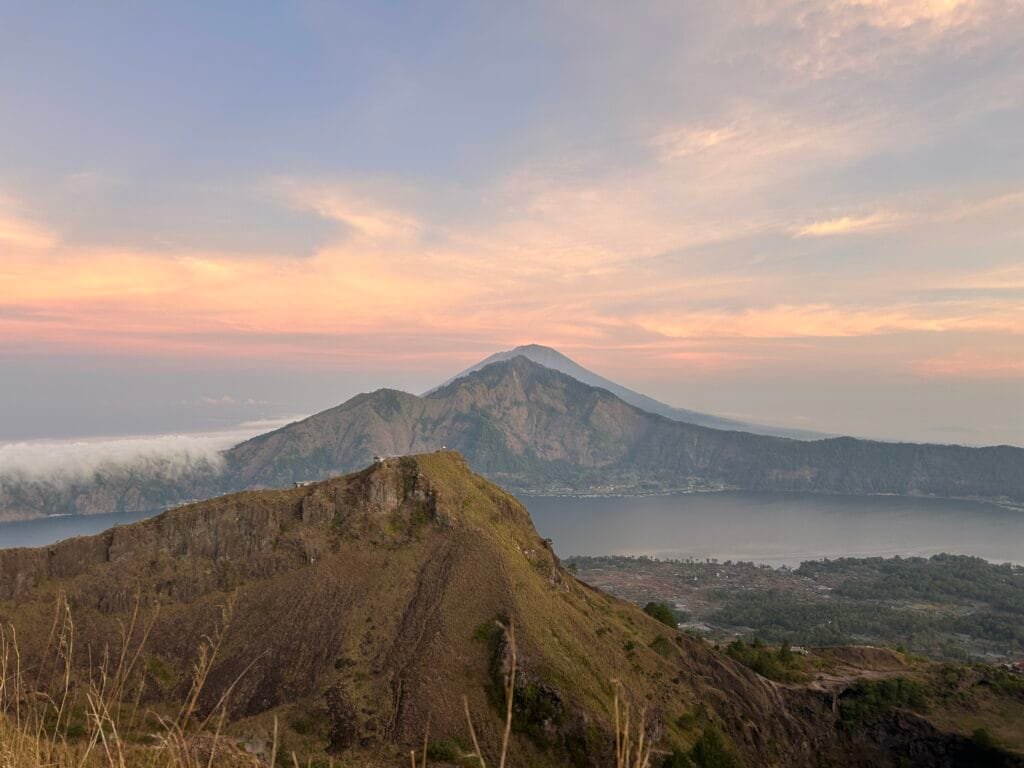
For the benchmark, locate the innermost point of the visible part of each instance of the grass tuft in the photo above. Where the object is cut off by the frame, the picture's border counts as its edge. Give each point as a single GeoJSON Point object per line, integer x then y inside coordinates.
{"type": "Point", "coordinates": [49, 717]}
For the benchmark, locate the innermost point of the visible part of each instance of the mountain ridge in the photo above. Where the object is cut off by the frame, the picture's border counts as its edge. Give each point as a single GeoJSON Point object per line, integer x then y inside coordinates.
{"type": "Point", "coordinates": [359, 599]}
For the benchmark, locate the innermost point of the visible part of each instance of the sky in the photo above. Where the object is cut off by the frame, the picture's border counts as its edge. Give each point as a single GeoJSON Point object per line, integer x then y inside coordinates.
{"type": "Point", "coordinates": [799, 213]}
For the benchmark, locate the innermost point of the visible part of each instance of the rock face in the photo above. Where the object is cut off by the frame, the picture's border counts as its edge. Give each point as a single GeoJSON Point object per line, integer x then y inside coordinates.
{"type": "Point", "coordinates": [535, 429]}
{"type": "Point", "coordinates": [366, 606]}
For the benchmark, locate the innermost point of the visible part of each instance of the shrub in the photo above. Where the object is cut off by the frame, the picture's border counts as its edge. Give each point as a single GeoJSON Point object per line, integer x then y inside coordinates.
{"type": "Point", "coordinates": [449, 750]}
{"type": "Point", "coordinates": [662, 612]}
{"type": "Point", "coordinates": [661, 645]}
{"type": "Point", "coordinates": [712, 750]}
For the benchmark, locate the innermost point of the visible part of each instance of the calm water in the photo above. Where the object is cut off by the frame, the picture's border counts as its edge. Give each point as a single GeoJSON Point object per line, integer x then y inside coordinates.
{"type": "Point", "coordinates": [778, 529]}
{"type": "Point", "coordinates": [39, 533]}
{"type": "Point", "coordinates": [766, 528]}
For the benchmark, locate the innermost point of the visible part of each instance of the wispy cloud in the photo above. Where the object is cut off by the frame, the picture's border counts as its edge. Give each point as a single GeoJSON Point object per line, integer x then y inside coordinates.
{"type": "Point", "coordinates": [900, 14]}
{"type": "Point", "coordinates": [846, 225]}
{"type": "Point", "coordinates": [825, 40]}
{"type": "Point", "coordinates": [567, 261]}
{"type": "Point", "coordinates": [825, 320]}
{"type": "Point", "coordinates": [365, 218]}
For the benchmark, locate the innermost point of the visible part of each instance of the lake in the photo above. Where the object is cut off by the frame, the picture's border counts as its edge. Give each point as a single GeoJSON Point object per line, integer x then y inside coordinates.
{"type": "Point", "coordinates": [47, 530]}
{"type": "Point", "coordinates": [778, 528]}
{"type": "Point", "coordinates": [773, 528]}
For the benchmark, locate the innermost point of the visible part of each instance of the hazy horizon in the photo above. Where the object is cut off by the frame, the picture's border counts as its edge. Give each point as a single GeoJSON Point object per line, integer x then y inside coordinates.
{"type": "Point", "coordinates": [147, 402]}
{"type": "Point", "coordinates": [208, 418]}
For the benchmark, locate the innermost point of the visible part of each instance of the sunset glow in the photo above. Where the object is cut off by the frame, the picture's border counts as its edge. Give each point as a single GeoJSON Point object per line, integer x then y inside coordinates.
{"type": "Point", "coordinates": [693, 192]}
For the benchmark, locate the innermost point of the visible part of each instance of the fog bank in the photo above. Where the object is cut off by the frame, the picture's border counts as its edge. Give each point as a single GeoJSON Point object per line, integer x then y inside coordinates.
{"type": "Point", "coordinates": [168, 456]}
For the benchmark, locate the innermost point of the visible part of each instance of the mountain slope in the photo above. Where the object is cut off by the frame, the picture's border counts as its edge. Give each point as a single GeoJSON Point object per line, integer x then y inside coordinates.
{"type": "Point", "coordinates": [534, 429]}
{"type": "Point", "coordinates": [555, 360]}
{"type": "Point", "coordinates": [365, 607]}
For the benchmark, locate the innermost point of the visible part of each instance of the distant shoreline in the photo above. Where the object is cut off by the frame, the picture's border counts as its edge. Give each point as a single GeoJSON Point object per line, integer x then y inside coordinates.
{"type": "Point", "coordinates": [1008, 505]}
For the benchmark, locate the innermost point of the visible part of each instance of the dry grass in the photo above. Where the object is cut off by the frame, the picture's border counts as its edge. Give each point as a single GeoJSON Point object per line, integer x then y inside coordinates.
{"type": "Point", "coordinates": [631, 751]}
{"type": "Point", "coordinates": [49, 718]}
{"type": "Point", "coordinates": [510, 689]}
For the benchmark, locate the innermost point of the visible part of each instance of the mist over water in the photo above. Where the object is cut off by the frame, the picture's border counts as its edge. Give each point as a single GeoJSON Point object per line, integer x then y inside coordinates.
{"type": "Point", "coordinates": [776, 528]}
{"type": "Point", "coordinates": [57, 462]}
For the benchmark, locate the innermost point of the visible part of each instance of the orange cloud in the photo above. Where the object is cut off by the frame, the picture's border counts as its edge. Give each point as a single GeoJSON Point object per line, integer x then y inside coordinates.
{"type": "Point", "coordinates": [901, 14]}
{"type": "Point", "coordinates": [580, 264]}
{"type": "Point", "coordinates": [825, 320]}
{"type": "Point", "coordinates": [973, 365]}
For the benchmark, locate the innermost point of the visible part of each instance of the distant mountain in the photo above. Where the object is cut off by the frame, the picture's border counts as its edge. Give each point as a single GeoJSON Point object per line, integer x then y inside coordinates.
{"type": "Point", "coordinates": [552, 358]}
{"type": "Point", "coordinates": [534, 429]}
{"type": "Point", "coordinates": [363, 610]}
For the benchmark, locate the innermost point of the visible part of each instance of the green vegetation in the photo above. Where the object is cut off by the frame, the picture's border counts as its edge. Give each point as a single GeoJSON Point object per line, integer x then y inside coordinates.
{"type": "Point", "coordinates": [779, 616]}
{"type": "Point", "coordinates": [946, 607]}
{"type": "Point", "coordinates": [713, 750]}
{"type": "Point", "coordinates": [869, 699]}
{"type": "Point", "coordinates": [941, 578]}
{"type": "Point", "coordinates": [448, 750]}
{"type": "Point", "coordinates": [662, 612]}
{"type": "Point", "coordinates": [987, 750]}
{"type": "Point", "coordinates": [779, 664]}
{"type": "Point", "coordinates": [389, 607]}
